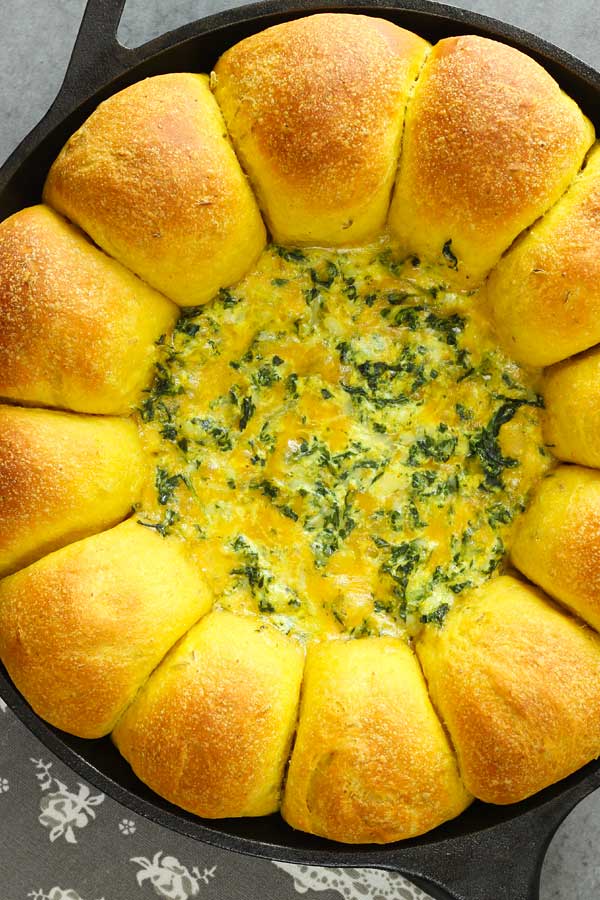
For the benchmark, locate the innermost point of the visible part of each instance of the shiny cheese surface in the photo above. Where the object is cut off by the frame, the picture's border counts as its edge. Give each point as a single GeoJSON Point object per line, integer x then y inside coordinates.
{"type": "Point", "coordinates": [341, 443]}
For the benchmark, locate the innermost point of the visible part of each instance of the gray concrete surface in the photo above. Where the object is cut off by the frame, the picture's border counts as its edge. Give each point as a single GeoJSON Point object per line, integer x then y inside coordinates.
{"type": "Point", "coordinates": [36, 37]}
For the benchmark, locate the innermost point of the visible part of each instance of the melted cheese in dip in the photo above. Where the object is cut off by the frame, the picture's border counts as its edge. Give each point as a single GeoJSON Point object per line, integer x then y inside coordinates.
{"type": "Point", "coordinates": [341, 442]}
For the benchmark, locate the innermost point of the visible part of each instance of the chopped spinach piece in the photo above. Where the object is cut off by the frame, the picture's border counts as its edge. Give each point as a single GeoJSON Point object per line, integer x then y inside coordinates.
{"type": "Point", "coordinates": [266, 376]}
{"type": "Point", "coordinates": [484, 444]}
{"type": "Point", "coordinates": [217, 431]}
{"type": "Point", "coordinates": [164, 527]}
{"type": "Point", "coordinates": [437, 616]}
{"type": "Point", "coordinates": [290, 254]}
{"type": "Point", "coordinates": [326, 276]}
{"type": "Point", "coordinates": [227, 299]}
{"type": "Point", "coordinates": [436, 447]}
{"type": "Point", "coordinates": [248, 410]}
{"type": "Point", "coordinates": [164, 383]}
{"type": "Point", "coordinates": [186, 326]}
{"type": "Point", "coordinates": [449, 255]}
{"type": "Point", "coordinates": [166, 484]}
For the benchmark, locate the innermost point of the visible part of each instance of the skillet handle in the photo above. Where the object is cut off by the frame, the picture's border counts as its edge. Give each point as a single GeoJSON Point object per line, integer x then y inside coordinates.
{"type": "Point", "coordinates": [97, 59]}
{"type": "Point", "coordinates": [97, 55]}
{"type": "Point", "coordinates": [502, 862]}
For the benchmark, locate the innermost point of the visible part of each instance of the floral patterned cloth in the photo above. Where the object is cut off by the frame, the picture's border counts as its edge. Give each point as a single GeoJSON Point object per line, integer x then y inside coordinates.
{"type": "Point", "coordinates": [61, 839]}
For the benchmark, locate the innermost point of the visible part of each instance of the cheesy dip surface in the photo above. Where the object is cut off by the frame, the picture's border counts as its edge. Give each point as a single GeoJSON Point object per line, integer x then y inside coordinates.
{"type": "Point", "coordinates": [340, 442]}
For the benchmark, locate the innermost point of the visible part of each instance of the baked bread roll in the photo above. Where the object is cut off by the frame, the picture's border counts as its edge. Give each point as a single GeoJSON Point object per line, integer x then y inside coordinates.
{"type": "Point", "coordinates": [490, 143]}
{"type": "Point", "coordinates": [517, 685]}
{"type": "Point", "coordinates": [557, 541]}
{"type": "Point", "coordinates": [545, 293]}
{"type": "Point", "coordinates": [62, 478]}
{"type": "Point", "coordinates": [82, 629]}
{"type": "Point", "coordinates": [371, 762]}
{"type": "Point", "coordinates": [152, 178]}
{"type": "Point", "coordinates": [211, 729]}
{"type": "Point", "coordinates": [315, 108]}
{"type": "Point", "coordinates": [572, 399]}
{"type": "Point", "coordinates": [78, 330]}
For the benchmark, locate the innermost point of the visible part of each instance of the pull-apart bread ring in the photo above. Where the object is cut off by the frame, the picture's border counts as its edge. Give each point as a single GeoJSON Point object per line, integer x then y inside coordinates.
{"type": "Point", "coordinates": [371, 762]}
{"type": "Point", "coordinates": [490, 143]}
{"type": "Point", "coordinates": [545, 293]}
{"type": "Point", "coordinates": [274, 571]}
{"type": "Point", "coordinates": [517, 684]}
{"type": "Point", "coordinates": [557, 544]}
{"type": "Point", "coordinates": [82, 629]}
{"type": "Point", "coordinates": [62, 478]}
{"type": "Point", "coordinates": [212, 728]}
{"type": "Point", "coordinates": [78, 329]}
{"type": "Point", "coordinates": [152, 178]}
{"type": "Point", "coordinates": [315, 109]}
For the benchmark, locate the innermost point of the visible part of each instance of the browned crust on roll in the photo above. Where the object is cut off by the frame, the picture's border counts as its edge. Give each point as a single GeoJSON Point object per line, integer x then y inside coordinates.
{"type": "Point", "coordinates": [77, 329]}
{"type": "Point", "coordinates": [153, 179]}
{"type": "Point", "coordinates": [517, 684]}
{"type": "Point", "coordinates": [212, 728]}
{"type": "Point", "coordinates": [545, 293]}
{"type": "Point", "coordinates": [490, 143]}
{"type": "Point", "coordinates": [557, 542]}
{"type": "Point", "coordinates": [572, 403]}
{"type": "Point", "coordinates": [315, 108]}
{"type": "Point", "coordinates": [62, 478]}
{"type": "Point", "coordinates": [371, 762]}
{"type": "Point", "coordinates": [83, 628]}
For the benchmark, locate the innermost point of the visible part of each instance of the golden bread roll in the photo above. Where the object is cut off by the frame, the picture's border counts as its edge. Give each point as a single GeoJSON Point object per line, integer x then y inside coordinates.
{"type": "Point", "coordinates": [62, 478]}
{"type": "Point", "coordinates": [315, 108]}
{"type": "Point", "coordinates": [371, 762]}
{"type": "Point", "coordinates": [557, 541]}
{"type": "Point", "coordinates": [152, 177]}
{"type": "Point", "coordinates": [572, 399]}
{"type": "Point", "coordinates": [517, 684]}
{"type": "Point", "coordinates": [490, 143]}
{"type": "Point", "coordinates": [545, 293]}
{"type": "Point", "coordinates": [211, 729]}
{"type": "Point", "coordinates": [78, 330]}
{"type": "Point", "coordinates": [82, 629]}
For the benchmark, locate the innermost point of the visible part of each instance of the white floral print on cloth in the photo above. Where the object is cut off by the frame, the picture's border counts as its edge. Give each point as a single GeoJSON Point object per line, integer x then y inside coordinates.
{"type": "Point", "coordinates": [62, 810]}
{"type": "Point", "coordinates": [56, 893]}
{"type": "Point", "coordinates": [3, 706]}
{"type": "Point", "coordinates": [170, 878]}
{"type": "Point", "coordinates": [127, 826]}
{"type": "Point", "coordinates": [353, 884]}
{"type": "Point", "coordinates": [4, 785]}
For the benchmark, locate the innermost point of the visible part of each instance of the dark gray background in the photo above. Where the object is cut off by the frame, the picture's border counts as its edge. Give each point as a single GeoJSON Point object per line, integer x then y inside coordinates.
{"type": "Point", "coordinates": [36, 37]}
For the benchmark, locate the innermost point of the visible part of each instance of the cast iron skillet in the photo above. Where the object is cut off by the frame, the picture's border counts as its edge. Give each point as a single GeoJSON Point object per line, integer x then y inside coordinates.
{"type": "Point", "coordinates": [488, 853]}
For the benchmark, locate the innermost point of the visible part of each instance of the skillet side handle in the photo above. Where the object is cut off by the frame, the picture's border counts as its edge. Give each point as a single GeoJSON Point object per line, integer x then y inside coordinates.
{"type": "Point", "coordinates": [97, 59]}
{"type": "Point", "coordinates": [503, 862]}
{"type": "Point", "coordinates": [97, 55]}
